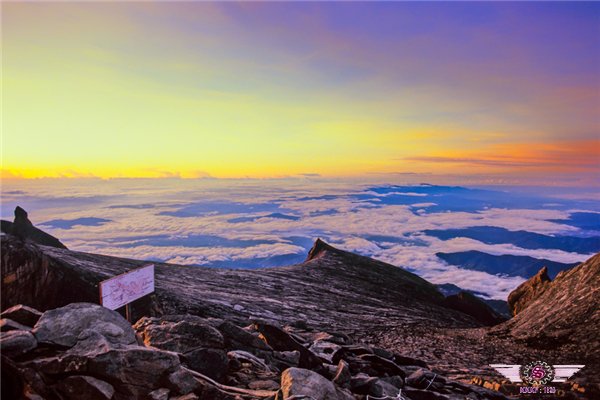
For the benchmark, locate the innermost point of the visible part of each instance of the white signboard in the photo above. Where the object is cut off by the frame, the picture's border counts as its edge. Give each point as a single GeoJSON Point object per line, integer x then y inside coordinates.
{"type": "Point", "coordinates": [125, 288]}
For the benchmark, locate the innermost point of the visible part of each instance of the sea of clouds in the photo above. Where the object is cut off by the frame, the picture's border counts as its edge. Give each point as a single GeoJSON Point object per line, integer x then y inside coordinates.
{"type": "Point", "coordinates": [256, 223]}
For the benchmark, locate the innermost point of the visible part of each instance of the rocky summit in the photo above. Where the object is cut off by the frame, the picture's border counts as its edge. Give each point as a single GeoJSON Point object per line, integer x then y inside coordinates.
{"type": "Point", "coordinates": [338, 326]}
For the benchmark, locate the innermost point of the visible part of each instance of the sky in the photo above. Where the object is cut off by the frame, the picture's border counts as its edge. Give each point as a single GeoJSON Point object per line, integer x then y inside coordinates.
{"type": "Point", "coordinates": [492, 92]}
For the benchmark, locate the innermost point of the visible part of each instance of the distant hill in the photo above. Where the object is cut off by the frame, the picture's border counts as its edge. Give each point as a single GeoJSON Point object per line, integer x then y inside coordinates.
{"type": "Point", "coordinates": [523, 239]}
{"type": "Point", "coordinates": [500, 306]}
{"type": "Point", "coordinates": [523, 266]}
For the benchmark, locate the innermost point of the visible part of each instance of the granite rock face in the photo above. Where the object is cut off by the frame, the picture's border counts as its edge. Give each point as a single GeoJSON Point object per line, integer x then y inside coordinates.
{"type": "Point", "coordinates": [528, 291]}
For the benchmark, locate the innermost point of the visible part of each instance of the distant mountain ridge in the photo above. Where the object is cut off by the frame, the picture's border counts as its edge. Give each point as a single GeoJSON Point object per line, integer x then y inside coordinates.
{"type": "Point", "coordinates": [511, 265]}
{"type": "Point", "coordinates": [523, 239]}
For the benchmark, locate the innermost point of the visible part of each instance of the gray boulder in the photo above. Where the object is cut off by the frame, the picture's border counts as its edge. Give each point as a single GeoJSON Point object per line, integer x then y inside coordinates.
{"type": "Point", "coordinates": [85, 387]}
{"type": "Point", "coordinates": [298, 381]}
{"type": "Point", "coordinates": [62, 326]}
{"type": "Point", "coordinates": [181, 335]}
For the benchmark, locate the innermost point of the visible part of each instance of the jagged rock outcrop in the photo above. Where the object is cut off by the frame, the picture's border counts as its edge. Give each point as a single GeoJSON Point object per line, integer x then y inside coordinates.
{"type": "Point", "coordinates": [527, 292]}
{"type": "Point", "coordinates": [471, 305]}
{"type": "Point", "coordinates": [23, 229]}
{"type": "Point", "coordinates": [567, 311]}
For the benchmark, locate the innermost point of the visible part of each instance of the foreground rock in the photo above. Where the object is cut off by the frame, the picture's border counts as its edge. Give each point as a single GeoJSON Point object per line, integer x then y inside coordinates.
{"type": "Point", "coordinates": [83, 350]}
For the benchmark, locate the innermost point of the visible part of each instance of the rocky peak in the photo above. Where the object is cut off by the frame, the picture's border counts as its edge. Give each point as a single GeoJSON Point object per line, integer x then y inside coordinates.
{"type": "Point", "coordinates": [471, 305]}
{"type": "Point", "coordinates": [23, 228]}
{"type": "Point", "coordinates": [318, 249]}
{"type": "Point", "coordinates": [528, 291]}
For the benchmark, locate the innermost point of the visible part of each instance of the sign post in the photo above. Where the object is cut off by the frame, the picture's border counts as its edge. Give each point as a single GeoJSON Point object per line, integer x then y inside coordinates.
{"type": "Point", "coordinates": [121, 290]}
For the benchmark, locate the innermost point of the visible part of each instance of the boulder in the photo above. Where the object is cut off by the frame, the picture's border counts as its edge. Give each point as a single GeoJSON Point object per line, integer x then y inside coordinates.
{"type": "Point", "coordinates": [133, 371]}
{"type": "Point", "coordinates": [63, 325]}
{"type": "Point", "coordinates": [324, 349]}
{"type": "Point", "coordinates": [405, 360]}
{"type": "Point", "coordinates": [179, 335]}
{"type": "Point", "coordinates": [244, 357]}
{"type": "Point", "coordinates": [22, 314]}
{"type": "Point", "coordinates": [527, 292]}
{"type": "Point", "coordinates": [342, 375]}
{"type": "Point", "coordinates": [77, 387]}
{"type": "Point", "coordinates": [279, 339]}
{"type": "Point", "coordinates": [15, 343]}
{"type": "Point", "coordinates": [425, 379]}
{"type": "Point", "coordinates": [210, 362]}
{"type": "Point", "coordinates": [237, 338]}
{"type": "Point", "coordinates": [182, 381]}
{"type": "Point", "coordinates": [159, 394]}
{"type": "Point", "coordinates": [298, 381]}
{"type": "Point", "coordinates": [383, 366]}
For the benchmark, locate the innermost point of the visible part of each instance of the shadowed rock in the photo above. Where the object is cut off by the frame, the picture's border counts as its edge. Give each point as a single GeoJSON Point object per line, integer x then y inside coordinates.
{"type": "Point", "coordinates": [469, 304]}
{"type": "Point", "coordinates": [24, 230]}
{"type": "Point", "coordinates": [527, 292]}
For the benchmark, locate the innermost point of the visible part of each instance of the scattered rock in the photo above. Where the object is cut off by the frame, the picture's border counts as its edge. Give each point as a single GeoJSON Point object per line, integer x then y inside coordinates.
{"type": "Point", "coordinates": [63, 325]}
{"type": "Point", "coordinates": [210, 362]}
{"type": "Point", "coordinates": [159, 394]}
{"type": "Point", "coordinates": [77, 387]}
{"type": "Point", "coordinates": [278, 339]}
{"type": "Point", "coordinates": [182, 381]}
{"type": "Point", "coordinates": [184, 335]}
{"type": "Point", "coordinates": [298, 381]}
{"type": "Point", "coordinates": [342, 375]}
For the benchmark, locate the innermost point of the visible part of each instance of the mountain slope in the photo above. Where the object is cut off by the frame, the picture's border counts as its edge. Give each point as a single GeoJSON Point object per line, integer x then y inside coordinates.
{"type": "Point", "coordinates": [332, 288]}
{"type": "Point", "coordinates": [566, 312]}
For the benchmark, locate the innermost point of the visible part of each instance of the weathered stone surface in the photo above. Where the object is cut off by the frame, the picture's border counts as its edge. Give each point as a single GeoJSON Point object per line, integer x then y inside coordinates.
{"type": "Point", "coordinates": [78, 387]}
{"type": "Point", "coordinates": [527, 292]}
{"type": "Point", "coordinates": [382, 365]}
{"type": "Point", "coordinates": [14, 343]}
{"type": "Point", "coordinates": [159, 394]}
{"type": "Point", "coordinates": [298, 381]}
{"type": "Point", "coordinates": [182, 382]}
{"type": "Point", "coordinates": [237, 338]}
{"type": "Point", "coordinates": [210, 362]}
{"type": "Point", "coordinates": [63, 325]}
{"type": "Point", "coordinates": [22, 314]}
{"type": "Point", "coordinates": [423, 379]}
{"type": "Point", "coordinates": [418, 394]}
{"type": "Point", "coordinates": [181, 336]}
{"type": "Point", "coordinates": [324, 349]}
{"type": "Point", "coordinates": [134, 371]}
{"type": "Point", "coordinates": [342, 375]}
{"type": "Point", "coordinates": [278, 339]}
